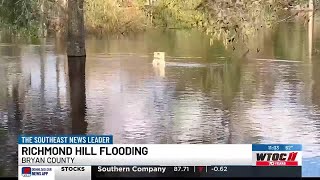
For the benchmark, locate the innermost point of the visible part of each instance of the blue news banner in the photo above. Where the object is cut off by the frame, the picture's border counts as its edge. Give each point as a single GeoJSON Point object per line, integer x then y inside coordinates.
{"type": "Point", "coordinates": [268, 160]}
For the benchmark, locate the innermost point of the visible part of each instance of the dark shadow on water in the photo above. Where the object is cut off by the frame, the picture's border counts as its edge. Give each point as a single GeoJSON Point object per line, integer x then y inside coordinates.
{"type": "Point", "coordinates": [76, 70]}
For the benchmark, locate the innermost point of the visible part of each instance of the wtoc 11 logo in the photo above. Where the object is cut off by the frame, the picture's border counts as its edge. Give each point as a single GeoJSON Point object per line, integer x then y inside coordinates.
{"type": "Point", "coordinates": [28, 171]}
{"type": "Point", "coordinates": [277, 159]}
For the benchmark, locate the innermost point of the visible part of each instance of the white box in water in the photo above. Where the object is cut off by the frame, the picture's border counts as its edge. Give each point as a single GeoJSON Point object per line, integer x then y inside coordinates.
{"type": "Point", "coordinates": [159, 55]}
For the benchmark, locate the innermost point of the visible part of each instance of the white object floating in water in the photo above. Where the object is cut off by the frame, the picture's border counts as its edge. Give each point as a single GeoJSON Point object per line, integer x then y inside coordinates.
{"type": "Point", "coordinates": [158, 59]}
{"type": "Point", "coordinates": [159, 55]}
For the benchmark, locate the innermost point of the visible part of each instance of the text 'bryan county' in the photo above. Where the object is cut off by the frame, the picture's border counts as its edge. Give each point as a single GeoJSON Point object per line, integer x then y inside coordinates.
{"type": "Point", "coordinates": [59, 151]}
{"type": "Point", "coordinates": [50, 160]}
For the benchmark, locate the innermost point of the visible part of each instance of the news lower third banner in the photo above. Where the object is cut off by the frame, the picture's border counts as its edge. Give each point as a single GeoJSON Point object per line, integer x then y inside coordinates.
{"type": "Point", "coordinates": [96, 157]}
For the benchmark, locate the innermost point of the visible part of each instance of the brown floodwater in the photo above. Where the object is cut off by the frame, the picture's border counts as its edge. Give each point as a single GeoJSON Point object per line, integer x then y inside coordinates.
{"type": "Point", "coordinates": [205, 94]}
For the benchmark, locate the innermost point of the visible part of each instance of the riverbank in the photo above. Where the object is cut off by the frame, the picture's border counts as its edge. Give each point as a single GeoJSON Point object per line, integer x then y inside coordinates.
{"type": "Point", "coordinates": [230, 22]}
{"type": "Point", "coordinates": [232, 101]}
{"type": "Point", "coordinates": [105, 16]}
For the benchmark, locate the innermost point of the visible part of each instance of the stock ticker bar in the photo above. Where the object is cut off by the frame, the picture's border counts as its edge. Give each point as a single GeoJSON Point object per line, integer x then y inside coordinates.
{"type": "Point", "coordinates": [101, 172]}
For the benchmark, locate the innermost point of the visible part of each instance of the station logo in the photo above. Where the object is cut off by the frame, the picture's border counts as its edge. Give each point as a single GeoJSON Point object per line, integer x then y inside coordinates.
{"type": "Point", "coordinates": [276, 159]}
{"type": "Point", "coordinates": [26, 171]}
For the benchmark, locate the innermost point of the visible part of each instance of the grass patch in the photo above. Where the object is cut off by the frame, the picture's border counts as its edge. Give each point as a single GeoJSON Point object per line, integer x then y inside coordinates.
{"type": "Point", "coordinates": [107, 16]}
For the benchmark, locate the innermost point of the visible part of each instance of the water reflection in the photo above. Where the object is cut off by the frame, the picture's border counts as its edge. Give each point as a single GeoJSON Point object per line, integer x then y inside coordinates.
{"type": "Point", "coordinates": [76, 70]}
{"type": "Point", "coordinates": [218, 98]}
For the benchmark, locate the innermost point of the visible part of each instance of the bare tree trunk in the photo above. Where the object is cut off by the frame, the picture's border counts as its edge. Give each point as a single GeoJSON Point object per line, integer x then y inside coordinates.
{"type": "Point", "coordinates": [311, 5]}
{"type": "Point", "coordinates": [76, 32]}
{"type": "Point", "coordinates": [310, 33]}
{"type": "Point", "coordinates": [42, 19]}
{"type": "Point", "coordinates": [62, 15]}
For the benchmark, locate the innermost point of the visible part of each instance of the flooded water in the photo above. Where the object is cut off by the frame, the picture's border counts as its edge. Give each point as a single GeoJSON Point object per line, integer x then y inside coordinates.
{"type": "Point", "coordinates": [205, 94]}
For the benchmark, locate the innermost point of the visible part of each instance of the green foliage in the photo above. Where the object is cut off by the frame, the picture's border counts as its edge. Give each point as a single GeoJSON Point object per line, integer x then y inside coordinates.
{"type": "Point", "coordinates": [237, 20]}
{"type": "Point", "coordinates": [16, 12]}
{"type": "Point", "coordinates": [23, 16]}
{"type": "Point", "coordinates": [176, 13]}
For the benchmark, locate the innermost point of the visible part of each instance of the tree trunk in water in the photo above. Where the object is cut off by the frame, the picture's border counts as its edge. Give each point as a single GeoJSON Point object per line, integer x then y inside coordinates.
{"type": "Point", "coordinates": [76, 32]}
{"type": "Point", "coordinates": [77, 80]}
